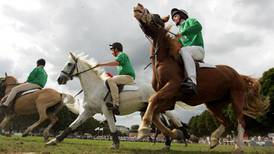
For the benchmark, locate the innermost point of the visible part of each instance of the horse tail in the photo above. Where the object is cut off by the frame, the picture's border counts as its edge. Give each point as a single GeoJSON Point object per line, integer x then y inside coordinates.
{"type": "Point", "coordinates": [255, 105]}
{"type": "Point", "coordinates": [69, 102]}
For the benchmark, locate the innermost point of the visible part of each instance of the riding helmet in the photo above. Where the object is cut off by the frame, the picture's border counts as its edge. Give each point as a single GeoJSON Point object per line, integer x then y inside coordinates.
{"type": "Point", "coordinates": [183, 14]}
{"type": "Point", "coordinates": [116, 45]}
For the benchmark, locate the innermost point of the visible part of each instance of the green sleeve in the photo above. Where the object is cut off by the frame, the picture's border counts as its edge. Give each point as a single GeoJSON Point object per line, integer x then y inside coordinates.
{"type": "Point", "coordinates": [192, 26]}
{"type": "Point", "coordinates": [121, 59]}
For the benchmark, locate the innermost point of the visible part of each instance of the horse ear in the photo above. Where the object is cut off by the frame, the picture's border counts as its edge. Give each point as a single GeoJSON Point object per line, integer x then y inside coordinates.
{"type": "Point", "coordinates": [72, 55]}
{"type": "Point", "coordinates": [6, 74]}
{"type": "Point", "coordinates": [165, 19]}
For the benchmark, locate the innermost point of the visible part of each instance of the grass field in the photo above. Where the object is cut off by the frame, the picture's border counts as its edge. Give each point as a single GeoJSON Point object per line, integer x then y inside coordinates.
{"type": "Point", "coordinates": [18, 144]}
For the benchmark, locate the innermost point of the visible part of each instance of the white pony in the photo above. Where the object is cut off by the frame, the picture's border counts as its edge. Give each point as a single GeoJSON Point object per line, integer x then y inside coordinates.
{"type": "Point", "coordinates": [93, 85]}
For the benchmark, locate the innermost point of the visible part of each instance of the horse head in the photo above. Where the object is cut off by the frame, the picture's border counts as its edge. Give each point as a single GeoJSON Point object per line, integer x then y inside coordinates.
{"type": "Point", "coordinates": [7, 82]}
{"type": "Point", "coordinates": [75, 66]}
{"type": "Point", "coordinates": [151, 24]}
{"type": "Point", "coordinates": [68, 70]}
{"type": "Point", "coordinates": [154, 27]}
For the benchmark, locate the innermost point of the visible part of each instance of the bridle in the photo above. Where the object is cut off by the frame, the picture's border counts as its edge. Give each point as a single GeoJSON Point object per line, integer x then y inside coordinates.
{"type": "Point", "coordinates": [70, 73]}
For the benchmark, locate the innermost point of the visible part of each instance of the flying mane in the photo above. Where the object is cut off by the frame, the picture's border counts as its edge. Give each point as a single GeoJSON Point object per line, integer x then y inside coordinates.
{"type": "Point", "coordinates": [91, 62]}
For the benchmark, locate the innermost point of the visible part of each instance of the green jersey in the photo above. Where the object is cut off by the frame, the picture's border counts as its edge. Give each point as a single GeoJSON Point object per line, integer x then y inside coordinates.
{"type": "Point", "coordinates": [125, 67]}
{"type": "Point", "coordinates": [191, 30]}
{"type": "Point", "coordinates": [38, 76]}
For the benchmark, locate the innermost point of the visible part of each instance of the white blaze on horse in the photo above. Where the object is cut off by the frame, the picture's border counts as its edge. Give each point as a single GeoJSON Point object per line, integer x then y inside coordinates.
{"type": "Point", "coordinates": [38, 102]}
{"type": "Point", "coordinates": [93, 84]}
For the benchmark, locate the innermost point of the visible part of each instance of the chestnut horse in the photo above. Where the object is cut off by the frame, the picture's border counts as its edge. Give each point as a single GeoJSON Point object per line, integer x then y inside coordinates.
{"type": "Point", "coordinates": [217, 87]}
{"type": "Point", "coordinates": [37, 102]}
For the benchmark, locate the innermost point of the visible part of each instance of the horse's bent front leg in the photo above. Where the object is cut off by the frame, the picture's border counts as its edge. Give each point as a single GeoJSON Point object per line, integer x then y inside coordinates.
{"type": "Point", "coordinates": [75, 124]}
{"type": "Point", "coordinates": [164, 94]}
{"type": "Point", "coordinates": [113, 130]}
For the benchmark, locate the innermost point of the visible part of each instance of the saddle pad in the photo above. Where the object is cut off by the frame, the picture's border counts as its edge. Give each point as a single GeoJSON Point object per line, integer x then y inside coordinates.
{"type": "Point", "coordinates": [29, 91]}
{"type": "Point", "coordinates": [130, 88]}
{"type": "Point", "coordinates": [206, 65]}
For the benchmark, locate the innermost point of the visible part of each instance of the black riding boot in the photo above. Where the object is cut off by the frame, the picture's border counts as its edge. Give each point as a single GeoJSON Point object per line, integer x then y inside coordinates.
{"type": "Point", "coordinates": [189, 88]}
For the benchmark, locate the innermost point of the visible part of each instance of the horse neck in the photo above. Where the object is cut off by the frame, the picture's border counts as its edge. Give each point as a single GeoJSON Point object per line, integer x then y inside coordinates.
{"type": "Point", "coordinates": [162, 50]}
{"type": "Point", "coordinates": [10, 84]}
{"type": "Point", "coordinates": [89, 80]}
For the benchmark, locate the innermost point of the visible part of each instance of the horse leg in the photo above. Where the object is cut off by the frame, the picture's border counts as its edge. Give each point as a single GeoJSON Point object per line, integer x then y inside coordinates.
{"type": "Point", "coordinates": [177, 124]}
{"type": "Point", "coordinates": [4, 123]}
{"type": "Point", "coordinates": [75, 124]}
{"type": "Point", "coordinates": [53, 119]}
{"type": "Point", "coordinates": [42, 111]}
{"type": "Point", "coordinates": [216, 108]}
{"type": "Point", "coordinates": [164, 93]}
{"type": "Point", "coordinates": [174, 134]}
{"type": "Point", "coordinates": [237, 104]}
{"type": "Point", "coordinates": [113, 130]}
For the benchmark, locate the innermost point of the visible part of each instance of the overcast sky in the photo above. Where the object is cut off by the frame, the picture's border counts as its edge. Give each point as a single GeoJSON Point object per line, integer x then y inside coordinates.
{"type": "Point", "coordinates": [238, 33]}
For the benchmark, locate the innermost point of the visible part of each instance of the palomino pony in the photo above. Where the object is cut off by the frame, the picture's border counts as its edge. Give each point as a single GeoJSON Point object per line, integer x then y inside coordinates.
{"type": "Point", "coordinates": [95, 90]}
{"type": "Point", "coordinates": [217, 87]}
{"type": "Point", "coordinates": [37, 102]}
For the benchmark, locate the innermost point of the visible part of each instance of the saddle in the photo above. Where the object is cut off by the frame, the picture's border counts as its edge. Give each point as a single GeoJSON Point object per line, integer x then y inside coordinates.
{"type": "Point", "coordinates": [121, 88]}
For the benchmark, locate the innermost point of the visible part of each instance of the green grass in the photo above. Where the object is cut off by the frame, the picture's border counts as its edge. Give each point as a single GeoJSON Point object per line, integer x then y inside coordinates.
{"type": "Point", "coordinates": [18, 144]}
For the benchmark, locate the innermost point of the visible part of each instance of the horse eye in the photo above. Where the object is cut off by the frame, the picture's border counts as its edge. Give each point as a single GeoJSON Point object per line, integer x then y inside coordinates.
{"type": "Point", "coordinates": [69, 64]}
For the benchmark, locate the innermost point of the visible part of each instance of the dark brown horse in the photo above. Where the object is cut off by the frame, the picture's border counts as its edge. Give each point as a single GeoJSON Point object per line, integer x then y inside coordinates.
{"type": "Point", "coordinates": [217, 87]}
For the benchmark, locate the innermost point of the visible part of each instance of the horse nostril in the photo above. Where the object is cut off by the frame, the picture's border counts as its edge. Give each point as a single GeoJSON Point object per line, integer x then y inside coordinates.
{"type": "Point", "coordinates": [59, 80]}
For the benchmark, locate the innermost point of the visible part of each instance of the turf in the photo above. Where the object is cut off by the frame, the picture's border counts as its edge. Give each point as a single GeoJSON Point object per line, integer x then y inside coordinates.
{"type": "Point", "coordinates": [17, 144]}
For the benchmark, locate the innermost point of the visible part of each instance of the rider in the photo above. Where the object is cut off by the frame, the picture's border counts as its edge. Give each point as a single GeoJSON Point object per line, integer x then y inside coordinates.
{"type": "Point", "coordinates": [36, 79]}
{"type": "Point", "coordinates": [126, 73]}
{"type": "Point", "coordinates": [191, 40]}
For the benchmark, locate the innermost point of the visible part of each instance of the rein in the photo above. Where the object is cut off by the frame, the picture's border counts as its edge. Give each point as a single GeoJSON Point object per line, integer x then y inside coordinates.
{"type": "Point", "coordinates": [78, 73]}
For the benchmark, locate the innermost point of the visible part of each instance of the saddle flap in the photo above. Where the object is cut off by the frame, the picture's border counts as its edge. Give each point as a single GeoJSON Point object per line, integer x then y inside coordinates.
{"type": "Point", "coordinates": [130, 88]}
{"type": "Point", "coordinates": [206, 65]}
{"type": "Point", "coordinates": [29, 91]}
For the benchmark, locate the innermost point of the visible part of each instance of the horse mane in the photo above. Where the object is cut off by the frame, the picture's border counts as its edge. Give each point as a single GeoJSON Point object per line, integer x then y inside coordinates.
{"type": "Point", "coordinates": [91, 62]}
{"type": "Point", "coordinates": [171, 43]}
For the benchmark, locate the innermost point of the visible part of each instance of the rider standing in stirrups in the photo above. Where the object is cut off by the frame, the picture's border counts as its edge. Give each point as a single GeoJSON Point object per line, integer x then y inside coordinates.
{"type": "Point", "coordinates": [191, 39]}
{"type": "Point", "coordinates": [126, 73]}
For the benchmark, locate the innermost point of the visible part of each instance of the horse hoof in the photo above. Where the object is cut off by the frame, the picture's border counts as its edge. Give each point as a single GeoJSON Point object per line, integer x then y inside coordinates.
{"type": "Point", "coordinates": [179, 134]}
{"type": "Point", "coordinates": [213, 143]}
{"type": "Point", "coordinates": [143, 132]}
{"type": "Point", "coordinates": [52, 142]}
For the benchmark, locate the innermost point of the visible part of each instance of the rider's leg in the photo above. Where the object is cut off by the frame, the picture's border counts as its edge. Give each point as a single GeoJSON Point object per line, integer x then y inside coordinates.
{"type": "Point", "coordinates": [17, 89]}
{"type": "Point", "coordinates": [189, 54]}
{"type": "Point", "coordinates": [113, 82]}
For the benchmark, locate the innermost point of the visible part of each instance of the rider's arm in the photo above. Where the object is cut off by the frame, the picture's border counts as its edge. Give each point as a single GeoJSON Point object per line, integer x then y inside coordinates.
{"type": "Point", "coordinates": [192, 26]}
{"type": "Point", "coordinates": [32, 75]}
{"type": "Point", "coordinates": [112, 63]}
